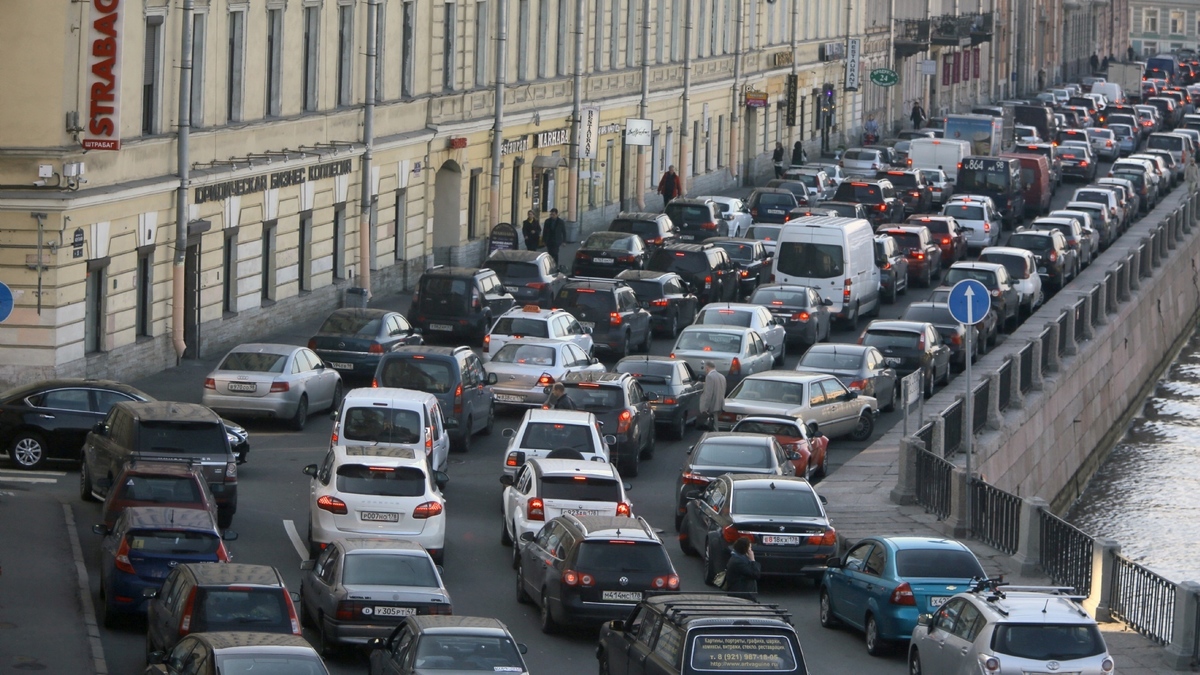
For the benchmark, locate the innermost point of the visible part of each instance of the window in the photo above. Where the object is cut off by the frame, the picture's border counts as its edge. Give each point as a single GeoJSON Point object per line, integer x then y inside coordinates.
{"type": "Point", "coordinates": [543, 31]}
{"type": "Point", "coordinates": [561, 42]}
{"type": "Point", "coordinates": [523, 47]}
{"type": "Point", "coordinates": [631, 31]}
{"type": "Point", "coordinates": [659, 40]}
{"type": "Point", "coordinates": [401, 216]}
{"type": "Point", "coordinates": [312, 55]}
{"type": "Point", "coordinates": [702, 18]}
{"type": "Point", "coordinates": [95, 308]}
{"type": "Point", "coordinates": [306, 227]}
{"type": "Point", "coordinates": [151, 65]}
{"type": "Point", "coordinates": [199, 33]}
{"type": "Point", "coordinates": [614, 37]}
{"type": "Point", "coordinates": [229, 273]}
{"type": "Point", "coordinates": [268, 267]}
{"type": "Point", "coordinates": [380, 43]}
{"type": "Point", "coordinates": [274, 60]}
{"type": "Point", "coordinates": [716, 35]}
{"type": "Point", "coordinates": [481, 44]}
{"type": "Point", "coordinates": [677, 29]}
{"type": "Point", "coordinates": [753, 21]}
{"type": "Point", "coordinates": [1149, 48]}
{"type": "Point", "coordinates": [345, 58]}
{"type": "Point", "coordinates": [598, 56]}
{"type": "Point", "coordinates": [145, 293]}
{"type": "Point", "coordinates": [237, 46]}
{"type": "Point", "coordinates": [1149, 20]}
{"type": "Point", "coordinates": [1177, 22]}
{"type": "Point", "coordinates": [449, 46]}
{"type": "Point", "coordinates": [720, 141]}
{"type": "Point", "coordinates": [339, 241]}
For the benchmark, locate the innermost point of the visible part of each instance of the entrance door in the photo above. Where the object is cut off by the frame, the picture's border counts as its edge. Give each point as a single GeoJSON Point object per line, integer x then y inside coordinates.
{"type": "Point", "coordinates": [447, 207]}
{"type": "Point", "coordinates": [191, 301]}
{"type": "Point", "coordinates": [517, 216]}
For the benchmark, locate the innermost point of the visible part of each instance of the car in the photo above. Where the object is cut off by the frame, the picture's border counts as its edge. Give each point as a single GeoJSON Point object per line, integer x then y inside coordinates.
{"type": "Point", "coordinates": [140, 550]}
{"type": "Point", "coordinates": [1026, 134]}
{"type": "Point", "coordinates": [939, 184]}
{"type": "Point", "coordinates": [832, 169]}
{"type": "Point", "coordinates": [978, 216]}
{"type": "Point", "coordinates": [1077, 161]}
{"type": "Point", "coordinates": [1110, 226]}
{"type": "Point", "coordinates": [1009, 630]}
{"type": "Point", "coordinates": [720, 452]}
{"type": "Point", "coordinates": [860, 368]}
{"type": "Point", "coordinates": [606, 254]}
{"type": "Point", "coordinates": [947, 234]}
{"type": "Point", "coordinates": [1130, 196]}
{"type": "Point", "coordinates": [924, 256]}
{"type": "Point", "coordinates": [863, 159]}
{"type": "Point", "coordinates": [773, 204]}
{"type": "Point", "coordinates": [954, 334]}
{"type": "Point", "coordinates": [1072, 224]}
{"type": "Point", "coordinates": [767, 234]}
{"type": "Point", "coordinates": [1104, 143]}
{"type": "Point", "coordinates": [277, 381]}
{"type": "Point", "coordinates": [782, 515]}
{"type": "Point", "coordinates": [587, 570]}
{"type": "Point", "coordinates": [572, 434]}
{"type": "Point", "coordinates": [1049, 151]}
{"type": "Point", "coordinates": [696, 219]}
{"type": "Point", "coordinates": [531, 321]}
{"type": "Point", "coordinates": [608, 311]}
{"type": "Point", "coordinates": [995, 277]}
{"type": "Point", "coordinates": [199, 654]}
{"type": "Point", "coordinates": [736, 352]}
{"type": "Point", "coordinates": [822, 401]}
{"type": "Point", "coordinates": [352, 340]}
{"type": "Point", "coordinates": [752, 259]}
{"type": "Point", "coordinates": [1125, 137]}
{"type": "Point", "coordinates": [676, 387]}
{"type": "Point", "coordinates": [808, 452]}
{"type": "Point", "coordinates": [1022, 267]}
{"type": "Point", "coordinates": [797, 187]}
{"type": "Point", "coordinates": [1151, 164]}
{"type": "Point", "coordinates": [48, 421]}
{"type": "Point", "coordinates": [544, 489]}
{"type": "Point", "coordinates": [749, 315]}
{"type": "Point", "coordinates": [149, 483]}
{"type": "Point", "coordinates": [1139, 176]}
{"type": "Point", "coordinates": [913, 190]}
{"type": "Point", "coordinates": [531, 277]}
{"type": "Point", "coordinates": [878, 196]}
{"type": "Point", "coordinates": [846, 210]}
{"type": "Point", "coordinates": [893, 268]}
{"type": "Point", "coordinates": [456, 376]}
{"type": "Point", "coordinates": [622, 408]}
{"type": "Point", "coordinates": [665, 296]}
{"type": "Point", "coordinates": [909, 347]}
{"type": "Point", "coordinates": [733, 210]}
{"type": "Point", "coordinates": [377, 491]}
{"type": "Point", "coordinates": [820, 185]}
{"type": "Point", "coordinates": [525, 367]}
{"type": "Point", "coordinates": [360, 588]}
{"type": "Point", "coordinates": [655, 229]}
{"type": "Point", "coordinates": [1174, 167]}
{"type": "Point", "coordinates": [461, 644]}
{"type": "Point", "coordinates": [458, 302]}
{"type": "Point", "coordinates": [805, 315]}
{"type": "Point", "coordinates": [1057, 262]}
{"type": "Point", "coordinates": [148, 430]}
{"type": "Point", "coordinates": [387, 417]}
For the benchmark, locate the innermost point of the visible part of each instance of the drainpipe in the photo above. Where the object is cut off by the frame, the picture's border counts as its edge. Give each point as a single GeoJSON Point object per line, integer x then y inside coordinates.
{"type": "Point", "coordinates": [178, 284]}
{"type": "Point", "coordinates": [797, 128]}
{"type": "Point", "coordinates": [643, 104]}
{"type": "Point", "coordinates": [576, 105]}
{"type": "Point", "coordinates": [735, 137]}
{"type": "Point", "coordinates": [364, 215]}
{"type": "Point", "coordinates": [685, 131]}
{"type": "Point", "coordinates": [498, 123]}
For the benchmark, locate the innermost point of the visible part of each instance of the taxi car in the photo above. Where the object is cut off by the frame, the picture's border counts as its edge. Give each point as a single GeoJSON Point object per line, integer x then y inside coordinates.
{"type": "Point", "coordinates": [535, 322]}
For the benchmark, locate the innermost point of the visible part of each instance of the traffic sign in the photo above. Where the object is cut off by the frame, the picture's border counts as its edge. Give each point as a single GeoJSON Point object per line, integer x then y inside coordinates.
{"type": "Point", "coordinates": [6, 301]}
{"type": "Point", "coordinates": [969, 302]}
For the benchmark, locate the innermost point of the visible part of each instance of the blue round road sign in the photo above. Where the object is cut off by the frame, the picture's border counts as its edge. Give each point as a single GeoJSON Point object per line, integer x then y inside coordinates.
{"type": "Point", "coordinates": [969, 302]}
{"type": "Point", "coordinates": [6, 302]}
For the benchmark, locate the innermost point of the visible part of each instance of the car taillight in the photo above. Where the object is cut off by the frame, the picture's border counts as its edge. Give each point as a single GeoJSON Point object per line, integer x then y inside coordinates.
{"type": "Point", "coordinates": [573, 578]}
{"type": "Point", "coordinates": [332, 504]}
{"type": "Point", "coordinates": [333, 438]}
{"type": "Point", "coordinates": [1108, 144]}
{"type": "Point", "coordinates": [690, 478]}
{"type": "Point", "coordinates": [210, 383]}
{"type": "Point", "coordinates": [882, 207]}
{"type": "Point", "coordinates": [624, 509]}
{"type": "Point", "coordinates": [731, 534]}
{"type": "Point", "coordinates": [945, 241]}
{"type": "Point", "coordinates": [535, 509]}
{"type": "Point", "coordinates": [708, 281]}
{"type": "Point", "coordinates": [487, 342]}
{"type": "Point", "coordinates": [122, 559]}
{"type": "Point", "coordinates": [995, 293]}
{"type": "Point", "coordinates": [536, 285]}
{"type": "Point", "coordinates": [846, 290]}
{"type": "Point", "coordinates": [624, 421]}
{"type": "Point", "coordinates": [745, 274]}
{"type": "Point", "coordinates": [859, 385]}
{"type": "Point", "coordinates": [292, 615]}
{"type": "Point", "coordinates": [827, 539]}
{"type": "Point", "coordinates": [427, 510]}
{"type": "Point", "coordinates": [1083, 162]}
{"type": "Point", "coordinates": [655, 240]}
{"type": "Point", "coordinates": [223, 553]}
{"type": "Point", "coordinates": [278, 387]}
{"type": "Point", "coordinates": [670, 401]}
{"type": "Point", "coordinates": [1053, 256]}
{"type": "Point", "coordinates": [545, 380]}
{"type": "Point", "coordinates": [708, 226]}
{"type": "Point", "coordinates": [956, 340]}
{"type": "Point", "coordinates": [348, 610]}
{"type": "Point", "coordinates": [903, 595]}
{"type": "Point", "coordinates": [991, 664]}
{"type": "Point", "coordinates": [987, 227]}
{"type": "Point", "coordinates": [754, 213]}
{"type": "Point", "coordinates": [515, 458]}
{"type": "Point", "coordinates": [662, 302]}
{"type": "Point", "coordinates": [800, 316]}
{"type": "Point", "coordinates": [887, 266]}
{"type": "Point", "coordinates": [580, 255]}
{"type": "Point", "coordinates": [458, 401]}
{"type": "Point", "coordinates": [627, 259]}
{"type": "Point", "coordinates": [185, 620]}
{"type": "Point", "coordinates": [428, 441]}
{"type": "Point", "coordinates": [667, 581]}
{"type": "Point", "coordinates": [920, 343]}
{"type": "Point", "coordinates": [614, 319]}
{"type": "Point", "coordinates": [375, 382]}
{"type": "Point", "coordinates": [735, 367]}
{"type": "Point", "coordinates": [918, 255]}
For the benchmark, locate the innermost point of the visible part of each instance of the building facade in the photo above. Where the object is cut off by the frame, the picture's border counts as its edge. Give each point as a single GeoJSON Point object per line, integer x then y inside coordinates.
{"type": "Point", "coordinates": [1168, 27]}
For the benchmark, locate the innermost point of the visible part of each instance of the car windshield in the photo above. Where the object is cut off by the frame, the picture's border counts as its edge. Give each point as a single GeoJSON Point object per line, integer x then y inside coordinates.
{"type": "Point", "coordinates": [957, 274]}
{"type": "Point", "coordinates": [531, 355]}
{"type": "Point", "coordinates": [468, 652]}
{"type": "Point", "coordinates": [809, 260]}
{"type": "Point", "coordinates": [581, 488]}
{"type": "Point", "coordinates": [779, 297]}
{"type": "Point", "coordinates": [646, 290]}
{"type": "Point", "coordinates": [883, 339]}
{"type": "Point", "coordinates": [725, 317]}
{"type": "Point", "coordinates": [738, 251]}
{"type": "Point", "coordinates": [433, 376]}
{"type": "Point", "coordinates": [710, 341]}
{"type": "Point", "coordinates": [771, 502]}
{"type": "Point", "coordinates": [508, 269]}
{"type": "Point", "coordinates": [861, 155]}
{"type": "Point", "coordinates": [241, 609]}
{"type": "Point", "coordinates": [763, 232]}
{"type": "Point", "coordinates": [829, 361]}
{"type": "Point", "coordinates": [254, 362]}
{"type": "Point", "coordinates": [381, 481]}
{"type": "Point", "coordinates": [269, 664]}
{"type": "Point", "coordinates": [623, 556]}
{"type": "Point", "coordinates": [774, 391]}
{"type": "Point", "coordinates": [595, 397]}
{"type": "Point", "coordinates": [1047, 642]}
{"type": "Point", "coordinates": [553, 436]}
{"type": "Point", "coordinates": [1157, 142]}
{"type": "Point", "coordinates": [933, 563]}
{"type": "Point", "coordinates": [1015, 264]}
{"type": "Point", "coordinates": [901, 179]}
{"type": "Point", "coordinates": [382, 425]}
{"type": "Point", "coordinates": [351, 324]}
{"type": "Point", "coordinates": [388, 569]}
{"type": "Point", "coordinates": [181, 437]}
{"type": "Point", "coordinates": [160, 489]}
{"type": "Point", "coordinates": [733, 455]}
{"type": "Point", "coordinates": [167, 542]}
{"type": "Point", "coordinates": [643, 228]}
{"type": "Point", "coordinates": [521, 327]}
{"type": "Point", "coordinates": [964, 211]}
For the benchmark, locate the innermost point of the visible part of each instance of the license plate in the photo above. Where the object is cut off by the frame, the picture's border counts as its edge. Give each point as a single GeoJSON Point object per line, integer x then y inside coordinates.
{"type": "Point", "coordinates": [587, 324]}
{"type": "Point", "coordinates": [775, 212]}
{"type": "Point", "coordinates": [511, 289]}
{"type": "Point", "coordinates": [779, 540]}
{"type": "Point", "coordinates": [440, 326]}
{"type": "Point", "coordinates": [606, 261]}
{"type": "Point", "coordinates": [242, 386]}
{"type": "Point", "coordinates": [624, 596]}
{"type": "Point", "coordinates": [582, 512]}
{"type": "Point", "coordinates": [687, 237]}
{"type": "Point", "coordinates": [938, 601]}
{"type": "Point", "coordinates": [395, 611]}
{"type": "Point", "coordinates": [509, 398]}
{"type": "Point", "coordinates": [341, 366]}
{"type": "Point", "coordinates": [379, 516]}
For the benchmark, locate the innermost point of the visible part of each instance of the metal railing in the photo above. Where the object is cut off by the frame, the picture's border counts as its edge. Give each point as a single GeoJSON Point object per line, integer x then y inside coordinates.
{"type": "Point", "coordinates": [1064, 320]}
{"type": "Point", "coordinates": [1006, 375]}
{"type": "Point", "coordinates": [1066, 553]}
{"type": "Point", "coordinates": [1047, 344]}
{"type": "Point", "coordinates": [1026, 373]}
{"type": "Point", "coordinates": [933, 483]}
{"type": "Point", "coordinates": [1097, 297]}
{"type": "Point", "coordinates": [925, 433]}
{"type": "Point", "coordinates": [953, 418]}
{"type": "Point", "coordinates": [979, 406]}
{"type": "Point", "coordinates": [1143, 600]}
{"type": "Point", "coordinates": [995, 516]}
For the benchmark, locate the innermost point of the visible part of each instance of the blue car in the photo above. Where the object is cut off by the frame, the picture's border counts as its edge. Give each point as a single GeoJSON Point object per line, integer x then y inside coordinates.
{"type": "Point", "coordinates": [1127, 140]}
{"type": "Point", "coordinates": [883, 583]}
{"type": "Point", "coordinates": [144, 545]}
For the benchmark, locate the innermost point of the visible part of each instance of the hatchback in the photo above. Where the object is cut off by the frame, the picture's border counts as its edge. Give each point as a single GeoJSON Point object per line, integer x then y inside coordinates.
{"type": "Point", "coordinates": [820, 400]}
{"type": "Point", "coordinates": [655, 229]}
{"type": "Point", "coordinates": [893, 268]}
{"type": "Point", "coordinates": [804, 314]}
{"type": "Point", "coordinates": [1022, 269]}
{"type": "Point", "coordinates": [736, 352]}
{"type": "Point", "coordinates": [164, 483]}
{"type": "Point", "coordinates": [808, 452]}
{"type": "Point", "coordinates": [456, 376]}
{"type": "Point", "coordinates": [978, 216]}
{"type": "Point", "coordinates": [754, 316]}
{"type": "Point", "coordinates": [608, 311]}
{"type": "Point", "coordinates": [1005, 299]}
{"type": "Point", "coordinates": [279, 381]}
{"type": "Point", "coordinates": [953, 333]}
{"type": "Point", "coordinates": [458, 302]}
{"type": "Point", "coordinates": [531, 277]}
{"type": "Point", "coordinates": [878, 196]}
{"type": "Point", "coordinates": [665, 296]}
{"type": "Point", "coordinates": [622, 409]}
{"type": "Point", "coordinates": [572, 434]}
{"type": "Point", "coordinates": [606, 254]}
{"type": "Point", "coordinates": [544, 489]}
{"type": "Point", "coordinates": [862, 159]}
{"type": "Point", "coordinates": [753, 261]}
{"type": "Point", "coordinates": [772, 205]}
{"type": "Point", "coordinates": [733, 210]}
{"type": "Point", "coordinates": [459, 644]}
{"type": "Point", "coordinates": [524, 369]}
{"type": "Point", "coordinates": [531, 321]}
{"type": "Point", "coordinates": [909, 347]}
{"type": "Point", "coordinates": [696, 219]}
{"type": "Point", "coordinates": [947, 234]}
{"type": "Point", "coordinates": [718, 453]}
{"type": "Point", "coordinates": [676, 386]}
{"type": "Point", "coordinates": [924, 256]}
{"type": "Point", "coordinates": [1057, 262]}
{"type": "Point", "coordinates": [352, 340]}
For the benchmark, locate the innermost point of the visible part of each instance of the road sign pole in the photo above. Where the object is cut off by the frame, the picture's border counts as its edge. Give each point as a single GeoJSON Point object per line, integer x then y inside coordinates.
{"type": "Point", "coordinates": [970, 415]}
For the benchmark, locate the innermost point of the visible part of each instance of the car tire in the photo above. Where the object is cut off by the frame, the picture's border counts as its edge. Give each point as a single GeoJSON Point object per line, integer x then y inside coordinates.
{"type": "Point", "coordinates": [624, 346]}
{"type": "Point", "coordinates": [325, 647]}
{"type": "Point", "coordinates": [85, 483]}
{"type": "Point", "coordinates": [686, 546]}
{"type": "Point", "coordinates": [305, 620]}
{"type": "Point", "coordinates": [464, 445]}
{"type": "Point", "coordinates": [864, 428]}
{"type": "Point", "coordinates": [545, 617]}
{"type": "Point", "coordinates": [629, 468]}
{"type": "Point", "coordinates": [710, 570]}
{"type": "Point", "coordinates": [338, 393]}
{"type": "Point", "coordinates": [491, 422]}
{"type": "Point", "coordinates": [602, 657]}
{"type": "Point", "coordinates": [28, 450]}
{"type": "Point", "coordinates": [928, 387]}
{"type": "Point", "coordinates": [298, 420]}
{"type": "Point", "coordinates": [914, 663]}
{"type": "Point", "coordinates": [678, 521]}
{"type": "Point", "coordinates": [679, 428]}
{"type": "Point", "coordinates": [648, 451]}
{"type": "Point", "coordinates": [876, 646]}
{"type": "Point", "coordinates": [825, 611]}
{"type": "Point", "coordinates": [149, 647]}
{"type": "Point", "coordinates": [891, 406]}
{"type": "Point", "coordinates": [673, 328]}
{"type": "Point", "coordinates": [505, 537]}
{"type": "Point", "coordinates": [522, 597]}
{"type": "Point", "coordinates": [823, 468]}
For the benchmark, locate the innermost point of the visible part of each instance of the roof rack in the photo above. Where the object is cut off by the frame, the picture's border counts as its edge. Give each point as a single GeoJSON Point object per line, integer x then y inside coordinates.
{"type": "Point", "coordinates": [691, 608]}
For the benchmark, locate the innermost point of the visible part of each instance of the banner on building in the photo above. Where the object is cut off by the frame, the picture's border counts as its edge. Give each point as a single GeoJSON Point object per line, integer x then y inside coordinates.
{"type": "Point", "coordinates": [793, 86]}
{"type": "Point", "coordinates": [105, 33]}
{"type": "Point", "coordinates": [852, 53]}
{"type": "Point", "coordinates": [976, 59]}
{"type": "Point", "coordinates": [638, 131]}
{"type": "Point", "coordinates": [947, 68]}
{"type": "Point", "coordinates": [966, 66]}
{"type": "Point", "coordinates": [588, 133]}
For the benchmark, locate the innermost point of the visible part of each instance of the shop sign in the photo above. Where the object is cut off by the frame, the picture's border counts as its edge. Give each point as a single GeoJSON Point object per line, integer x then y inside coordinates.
{"type": "Point", "coordinates": [885, 77]}
{"type": "Point", "coordinates": [279, 179]}
{"type": "Point", "coordinates": [638, 131]}
{"type": "Point", "coordinates": [503, 238]}
{"type": "Point", "coordinates": [514, 145]}
{"type": "Point", "coordinates": [607, 129]}
{"type": "Point", "coordinates": [77, 243]}
{"type": "Point", "coordinates": [105, 32]}
{"type": "Point", "coordinates": [756, 99]}
{"type": "Point", "coordinates": [852, 74]}
{"type": "Point", "coordinates": [782, 58]}
{"type": "Point", "coordinates": [589, 132]}
{"type": "Point", "coordinates": [546, 139]}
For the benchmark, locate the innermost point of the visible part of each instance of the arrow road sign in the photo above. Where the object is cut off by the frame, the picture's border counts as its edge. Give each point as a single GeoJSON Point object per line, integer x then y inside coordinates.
{"type": "Point", "coordinates": [6, 302]}
{"type": "Point", "coordinates": [969, 302]}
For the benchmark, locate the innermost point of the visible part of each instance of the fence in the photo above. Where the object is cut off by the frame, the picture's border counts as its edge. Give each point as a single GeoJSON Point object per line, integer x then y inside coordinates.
{"type": "Point", "coordinates": [995, 517]}
{"type": "Point", "coordinates": [1143, 600]}
{"type": "Point", "coordinates": [953, 417]}
{"type": "Point", "coordinates": [979, 406]}
{"type": "Point", "coordinates": [1026, 356]}
{"type": "Point", "coordinates": [1006, 375]}
{"type": "Point", "coordinates": [933, 483]}
{"type": "Point", "coordinates": [1066, 553]}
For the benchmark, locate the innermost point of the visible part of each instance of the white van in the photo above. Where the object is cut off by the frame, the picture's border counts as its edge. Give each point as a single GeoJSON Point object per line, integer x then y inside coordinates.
{"type": "Point", "coordinates": [390, 417]}
{"type": "Point", "coordinates": [836, 256]}
{"type": "Point", "coordinates": [1112, 92]}
{"type": "Point", "coordinates": [938, 153]}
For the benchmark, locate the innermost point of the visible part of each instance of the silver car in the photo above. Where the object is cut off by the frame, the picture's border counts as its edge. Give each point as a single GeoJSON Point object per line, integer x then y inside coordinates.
{"type": "Point", "coordinates": [272, 380]}
{"type": "Point", "coordinates": [359, 589]}
{"type": "Point", "coordinates": [736, 352]}
{"type": "Point", "coordinates": [822, 401]}
{"type": "Point", "coordinates": [860, 367]}
{"type": "Point", "coordinates": [525, 367]}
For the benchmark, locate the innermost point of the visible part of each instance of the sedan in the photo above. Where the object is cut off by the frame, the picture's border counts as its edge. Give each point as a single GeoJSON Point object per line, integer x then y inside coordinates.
{"type": "Point", "coordinates": [883, 584]}
{"type": "Point", "coordinates": [734, 211]}
{"type": "Point", "coordinates": [675, 383]}
{"type": "Point", "coordinates": [606, 254]}
{"type": "Point", "coordinates": [351, 340]}
{"type": "Point", "coordinates": [272, 380]}
{"type": "Point", "coordinates": [526, 366]}
{"type": "Point", "coordinates": [736, 352]}
{"type": "Point", "coordinates": [719, 453]}
{"type": "Point", "coordinates": [757, 317]}
{"type": "Point", "coordinates": [953, 333]}
{"type": "Point", "coordinates": [860, 368]}
{"type": "Point", "coordinates": [808, 452]}
{"type": "Point", "coordinates": [804, 314]}
{"type": "Point", "coordinates": [822, 401]}
{"type": "Point", "coordinates": [940, 183]}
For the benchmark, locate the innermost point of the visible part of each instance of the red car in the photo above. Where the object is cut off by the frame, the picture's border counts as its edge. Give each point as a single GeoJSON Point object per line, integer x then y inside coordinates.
{"type": "Point", "coordinates": [808, 454]}
{"type": "Point", "coordinates": [174, 484]}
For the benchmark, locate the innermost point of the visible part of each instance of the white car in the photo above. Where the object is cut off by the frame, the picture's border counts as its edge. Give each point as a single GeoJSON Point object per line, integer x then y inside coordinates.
{"type": "Point", "coordinates": [736, 352]}
{"type": "Point", "coordinates": [1022, 270]}
{"type": "Point", "coordinates": [543, 432]}
{"type": "Point", "coordinates": [544, 489]}
{"type": "Point", "coordinates": [835, 171]}
{"type": "Point", "coordinates": [820, 186]}
{"type": "Point", "coordinates": [734, 211]}
{"type": "Point", "coordinates": [533, 321]}
{"type": "Point", "coordinates": [372, 491]}
{"type": "Point", "coordinates": [526, 366]}
{"type": "Point", "coordinates": [745, 315]}
{"type": "Point", "coordinates": [863, 160]}
{"type": "Point", "coordinates": [977, 214]}
{"type": "Point", "coordinates": [391, 417]}
{"type": "Point", "coordinates": [1026, 134]}
{"type": "Point", "coordinates": [940, 183]}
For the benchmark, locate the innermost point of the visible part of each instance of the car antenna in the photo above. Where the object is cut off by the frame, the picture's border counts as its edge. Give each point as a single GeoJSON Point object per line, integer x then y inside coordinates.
{"type": "Point", "coordinates": [772, 485]}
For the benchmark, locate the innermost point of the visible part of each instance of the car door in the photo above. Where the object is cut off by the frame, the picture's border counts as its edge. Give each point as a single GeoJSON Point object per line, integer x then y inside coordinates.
{"type": "Point", "coordinates": [398, 659]}
{"type": "Point", "coordinates": [705, 528]}
{"type": "Point", "coordinates": [884, 378]}
{"type": "Point", "coordinates": [538, 562]}
{"type": "Point", "coordinates": [645, 416]}
{"type": "Point", "coordinates": [843, 410]}
{"type": "Point", "coordinates": [63, 417]}
{"type": "Point", "coordinates": [326, 574]}
{"type": "Point", "coordinates": [764, 358]}
{"type": "Point", "coordinates": [158, 610]}
{"type": "Point", "coordinates": [959, 648]}
{"type": "Point", "coordinates": [773, 332]}
{"type": "Point", "coordinates": [631, 653]}
{"type": "Point", "coordinates": [1012, 299]}
{"type": "Point", "coordinates": [514, 499]}
{"type": "Point", "coordinates": [936, 655]}
{"type": "Point", "coordinates": [940, 351]}
{"type": "Point", "coordinates": [690, 388]}
{"type": "Point", "coordinates": [845, 590]}
{"type": "Point", "coordinates": [327, 378]}
{"type": "Point", "coordinates": [579, 336]}
{"type": "Point", "coordinates": [494, 295]}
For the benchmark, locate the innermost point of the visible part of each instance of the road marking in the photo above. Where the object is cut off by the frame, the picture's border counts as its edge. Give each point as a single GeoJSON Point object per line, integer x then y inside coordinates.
{"type": "Point", "coordinates": [85, 595]}
{"type": "Point", "coordinates": [297, 542]}
{"type": "Point", "coordinates": [22, 479]}
{"type": "Point", "coordinates": [23, 472]}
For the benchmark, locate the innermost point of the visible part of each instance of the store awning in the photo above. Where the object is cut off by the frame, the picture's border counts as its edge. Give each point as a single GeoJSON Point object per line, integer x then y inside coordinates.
{"type": "Point", "coordinates": [549, 161]}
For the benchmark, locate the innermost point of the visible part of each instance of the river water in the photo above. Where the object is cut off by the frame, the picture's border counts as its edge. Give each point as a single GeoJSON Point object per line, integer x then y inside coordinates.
{"type": "Point", "coordinates": [1147, 495]}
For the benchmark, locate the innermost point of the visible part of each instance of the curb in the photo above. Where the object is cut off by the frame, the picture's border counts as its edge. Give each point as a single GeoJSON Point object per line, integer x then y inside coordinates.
{"type": "Point", "coordinates": [99, 664]}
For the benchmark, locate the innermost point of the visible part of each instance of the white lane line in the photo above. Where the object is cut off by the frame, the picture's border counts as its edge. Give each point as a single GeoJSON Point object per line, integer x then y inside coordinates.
{"type": "Point", "coordinates": [22, 472]}
{"type": "Point", "coordinates": [22, 479]}
{"type": "Point", "coordinates": [85, 595]}
{"type": "Point", "coordinates": [297, 542]}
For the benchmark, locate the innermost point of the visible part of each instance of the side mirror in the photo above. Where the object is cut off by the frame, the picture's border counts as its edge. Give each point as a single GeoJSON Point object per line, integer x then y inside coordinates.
{"type": "Point", "coordinates": [508, 433]}
{"type": "Point", "coordinates": [546, 390]}
{"type": "Point", "coordinates": [813, 429]}
{"type": "Point", "coordinates": [691, 494]}
{"type": "Point", "coordinates": [593, 360]}
{"type": "Point", "coordinates": [617, 625]}
{"type": "Point", "coordinates": [333, 415]}
{"type": "Point", "coordinates": [587, 329]}
{"type": "Point", "coordinates": [526, 537]}
{"type": "Point", "coordinates": [834, 563]}
{"type": "Point", "coordinates": [229, 535]}
{"type": "Point", "coordinates": [308, 564]}
{"type": "Point", "coordinates": [99, 428]}
{"type": "Point", "coordinates": [690, 449]}
{"type": "Point", "coordinates": [850, 395]}
{"type": "Point", "coordinates": [823, 499]}
{"type": "Point", "coordinates": [100, 529]}
{"type": "Point", "coordinates": [609, 439]}
{"type": "Point", "coordinates": [522, 648]}
{"type": "Point", "coordinates": [440, 479]}
{"type": "Point", "coordinates": [793, 456]}
{"type": "Point", "coordinates": [440, 570]}
{"type": "Point", "coordinates": [827, 302]}
{"type": "Point", "coordinates": [627, 486]}
{"type": "Point", "coordinates": [506, 480]}
{"type": "Point", "coordinates": [924, 619]}
{"type": "Point", "coordinates": [156, 657]}
{"type": "Point", "coordinates": [492, 379]}
{"type": "Point", "coordinates": [310, 470]}
{"type": "Point", "coordinates": [320, 365]}
{"type": "Point", "coordinates": [651, 396]}
{"type": "Point", "coordinates": [294, 596]}
{"type": "Point", "coordinates": [377, 643]}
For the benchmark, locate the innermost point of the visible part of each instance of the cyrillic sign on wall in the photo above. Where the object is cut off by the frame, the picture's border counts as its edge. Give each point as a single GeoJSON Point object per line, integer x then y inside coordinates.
{"type": "Point", "coordinates": [103, 131]}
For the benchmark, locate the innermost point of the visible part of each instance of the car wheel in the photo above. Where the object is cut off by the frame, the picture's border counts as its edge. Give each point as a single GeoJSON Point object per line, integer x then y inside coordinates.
{"type": "Point", "coordinates": [685, 545]}
{"type": "Point", "coordinates": [301, 417]}
{"type": "Point", "coordinates": [505, 537]}
{"type": "Point", "coordinates": [828, 620]}
{"type": "Point", "coordinates": [648, 451]}
{"type": "Point", "coordinates": [782, 353]}
{"type": "Point", "coordinates": [678, 520]}
{"type": "Point", "coordinates": [895, 397]}
{"type": "Point", "coordinates": [823, 467]}
{"type": "Point", "coordinates": [928, 385]}
{"type": "Point", "coordinates": [464, 445]}
{"type": "Point", "coordinates": [629, 468]}
{"type": "Point", "coordinates": [864, 428]}
{"type": "Point", "coordinates": [28, 450]}
{"type": "Point", "coordinates": [680, 427]}
{"type": "Point", "coordinates": [338, 392]}
{"type": "Point", "coordinates": [85, 483]}
{"type": "Point", "coordinates": [522, 596]}
{"type": "Point", "coordinates": [624, 346]}
{"type": "Point", "coordinates": [108, 618]}
{"type": "Point", "coordinates": [325, 646]}
{"type": "Point", "coordinates": [946, 376]}
{"type": "Point", "coordinates": [305, 620]}
{"type": "Point", "coordinates": [545, 618]}
{"type": "Point", "coordinates": [603, 658]}
{"type": "Point", "coordinates": [710, 568]}
{"type": "Point", "coordinates": [914, 663]}
{"type": "Point", "coordinates": [875, 645]}
{"type": "Point", "coordinates": [673, 329]}
{"type": "Point", "coordinates": [647, 340]}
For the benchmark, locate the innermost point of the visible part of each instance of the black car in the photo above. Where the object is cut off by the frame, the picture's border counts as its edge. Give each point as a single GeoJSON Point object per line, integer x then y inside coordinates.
{"type": "Point", "coordinates": [910, 346]}
{"type": "Point", "coordinates": [610, 310]}
{"type": "Point", "coordinates": [706, 269]}
{"type": "Point", "coordinates": [878, 196]}
{"type": "Point", "coordinates": [458, 302]}
{"type": "Point", "coordinates": [772, 205]}
{"type": "Point", "coordinates": [912, 188]}
{"type": "Point", "coordinates": [804, 313]}
{"type": "Point", "coordinates": [847, 209]}
{"type": "Point", "coordinates": [797, 188]}
{"type": "Point", "coordinates": [719, 452]}
{"type": "Point", "coordinates": [591, 569]}
{"type": "Point", "coordinates": [752, 259]}
{"type": "Point", "coordinates": [665, 296]}
{"type": "Point", "coordinates": [531, 277]}
{"type": "Point", "coordinates": [953, 333]}
{"type": "Point", "coordinates": [924, 256]}
{"type": "Point", "coordinates": [988, 329]}
{"type": "Point", "coordinates": [622, 407]}
{"type": "Point", "coordinates": [947, 234]}
{"type": "Point", "coordinates": [655, 229]}
{"type": "Point", "coordinates": [49, 420]}
{"type": "Point", "coordinates": [696, 219]}
{"type": "Point", "coordinates": [606, 254]}
{"type": "Point", "coordinates": [893, 268]}
{"type": "Point", "coordinates": [1057, 262]}
{"type": "Point", "coordinates": [358, 337]}
{"type": "Point", "coordinates": [676, 385]}
{"type": "Point", "coordinates": [455, 375]}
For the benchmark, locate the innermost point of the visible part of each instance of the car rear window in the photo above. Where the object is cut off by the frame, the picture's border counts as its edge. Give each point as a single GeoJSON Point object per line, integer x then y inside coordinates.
{"type": "Point", "coordinates": [454, 292]}
{"type": "Point", "coordinates": [351, 324]}
{"type": "Point", "coordinates": [521, 327]}
{"type": "Point", "coordinates": [787, 429]}
{"type": "Point", "coordinates": [640, 369]}
{"type": "Point", "coordinates": [382, 425]}
{"type": "Point", "coordinates": [863, 193]}
{"type": "Point", "coordinates": [964, 211]}
{"type": "Point", "coordinates": [769, 502]}
{"type": "Point", "coordinates": [570, 298]}
{"type": "Point", "coordinates": [901, 179]}
{"type": "Point", "coordinates": [622, 556]}
{"type": "Point", "coordinates": [809, 260]}
{"type": "Point", "coordinates": [691, 214]}
{"type": "Point", "coordinates": [882, 339]}
{"type": "Point", "coordinates": [774, 199]}
{"type": "Point", "coordinates": [843, 210]}
{"type": "Point", "coordinates": [160, 489]}
{"type": "Point", "coordinates": [607, 240]}
{"type": "Point", "coordinates": [260, 664]}
{"type": "Point", "coordinates": [1097, 197]}
{"type": "Point", "coordinates": [931, 562]}
{"type": "Point", "coordinates": [934, 315]}
{"type": "Point", "coordinates": [861, 155]}
{"type": "Point", "coordinates": [645, 289]}
{"type": "Point", "coordinates": [181, 437]}
{"type": "Point", "coordinates": [779, 298]}
{"type": "Point", "coordinates": [643, 228]}
{"type": "Point", "coordinates": [245, 609]}
{"type": "Point", "coordinates": [738, 251]}
{"type": "Point", "coordinates": [388, 569]}
{"type": "Point", "coordinates": [830, 361]}
{"type": "Point", "coordinates": [553, 436]}
{"type": "Point", "coordinates": [433, 376]}
{"type": "Point", "coordinates": [710, 341]}
{"type": "Point", "coordinates": [508, 269]}
{"type": "Point", "coordinates": [167, 542]}
{"type": "Point", "coordinates": [763, 232]}
{"type": "Point", "coordinates": [1029, 242]}
{"type": "Point", "coordinates": [1015, 264]}
{"type": "Point", "coordinates": [596, 397]}
{"type": "Point", "coordinates": [381, 481]}
{"type": "Point", "coordinates": [906, 241]}
{"type": "Point", "coordinates": [533, 355]}
{"type": "Point", "coordinates": [769, 390]}
{"type": "Point", "coordinates": [742, 652]}
{"type": "Point", "coordinates": [957, 274]}
{"type": "Point", "coordinates": [741, 455]}
{"type": "Point", "coordinates": [254, 362]}
{"type": "Point", "coordinates": [581, 488]}
{"type": "Point", "coordinates": [1045, 642]}
{"type": "Point", "coordinates": [936, 226]}
{"type": "Point", "coordinates": [725, 317]}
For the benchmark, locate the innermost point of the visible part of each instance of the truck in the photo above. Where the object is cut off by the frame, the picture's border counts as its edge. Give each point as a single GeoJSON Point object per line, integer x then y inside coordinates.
{"type": "Point", "coordinates": [1162, 67]}
{"type": "Point", "coordinates": [1128, 75]}
{"type": "Point", "coordinates": [938, 153]}
{"type": "Point", "coordinates": [988, 135]}
{"type": "Point", "coordinates": [1039, 117]}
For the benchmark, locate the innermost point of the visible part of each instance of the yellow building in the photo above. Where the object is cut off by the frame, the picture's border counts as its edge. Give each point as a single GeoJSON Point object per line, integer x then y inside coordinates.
{"type": "Point", "coordinates": [89, 149]}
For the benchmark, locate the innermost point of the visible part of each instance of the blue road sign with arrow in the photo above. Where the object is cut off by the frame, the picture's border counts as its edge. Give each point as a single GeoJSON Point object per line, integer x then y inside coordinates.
{"type": "Point", "coordinates": [6, 302]}
{"type": "Point", "coordinates": [969, 302]}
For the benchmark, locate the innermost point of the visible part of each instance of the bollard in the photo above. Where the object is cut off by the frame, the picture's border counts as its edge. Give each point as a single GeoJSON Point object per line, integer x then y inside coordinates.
{"type": "Point", "coordinates": [1101, 309]}
{"type": "Point", "coordinates": [995, 418]}
{"type": "Point", "coordinates": [1016, 400]}
{"type": "Point", "coordinates": [1098, 601]}
{"type": "Point", "coordinates": [1180, 654]}
{"type": "Point", "coordinates": [1071, 347]}
{"type": "Point", "coordinates": [1029, 549]}
{"type": "Point", "coordinates": [1053, 358]}
{"type": "Point", "coordinates": [1173, 229]}
{"type": "Point", "coordinates": [905, 492]}
{"type": "Point", "coordinates": [1133, 263]}
{"type": "Point", "coordinates": [1036, 383]}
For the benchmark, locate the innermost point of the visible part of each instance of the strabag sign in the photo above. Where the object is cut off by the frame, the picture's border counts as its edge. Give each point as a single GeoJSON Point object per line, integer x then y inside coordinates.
{"type": "Point", "coordinates": [103, 131]}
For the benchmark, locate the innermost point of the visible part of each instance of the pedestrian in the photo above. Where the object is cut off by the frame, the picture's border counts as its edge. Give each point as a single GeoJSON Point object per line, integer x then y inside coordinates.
{"type": "Point", "coordinates": [555, 234]}
{"type": "Point", "coordinates": [670, 186]}
{"type": "Point", "coordinates": [871, 131]}
{"type": "Point", "coordinates": [1130, 55]}
{"type": "Point", "coordinates": [558, 398]}
{"type": "Point", "coordinates": [742, 571]}
{"type": "Point", "coordinates": [1094, 62]}
{"type": "Point", "coordinates": [1104, 63]}
{"type": "Point", "coordinates": [777, 157]}
{"type": "Point", "coordinates": [1192, 173]}
{"type": "Point", "coordinates": [798, 156]}
{"type": "Point", "coordinates": [532, 230]}
{"type": "Point", "coordinates": [712, 400]}
{"type": "Point", "coordinates": [918, 115]}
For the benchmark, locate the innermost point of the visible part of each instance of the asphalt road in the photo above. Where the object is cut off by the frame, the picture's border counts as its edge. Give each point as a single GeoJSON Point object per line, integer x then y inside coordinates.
{"type": "Point", "coordinates": [273, 507]}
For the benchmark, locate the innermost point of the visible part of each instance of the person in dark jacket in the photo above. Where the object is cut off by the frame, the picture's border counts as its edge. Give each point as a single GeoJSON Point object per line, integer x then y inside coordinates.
{"type": "Point", "coordinates": [798, 157]}
{"type": "Point", "coordinates": [555, 233]}
{"type": "Point", "coordinates": [777, 158]}
{"type": "Point", "coordinates": [670, 186]}
{"type": "Point", "coordinates": [532, 229]}
{"type": "Point", "coordinates": [558, 398]}
{"type": "Point", "coordinates": [742, 572]}
{"type": "Point", "coordinates": [917, 116]}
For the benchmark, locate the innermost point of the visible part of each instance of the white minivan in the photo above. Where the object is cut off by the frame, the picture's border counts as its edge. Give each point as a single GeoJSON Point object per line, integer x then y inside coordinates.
{"type": "Point", "coordinates": [836, 256]}
{"type": "Point", "coordinates": [389, 417]}
{"type": "Point", "coordinates": [938, 153]}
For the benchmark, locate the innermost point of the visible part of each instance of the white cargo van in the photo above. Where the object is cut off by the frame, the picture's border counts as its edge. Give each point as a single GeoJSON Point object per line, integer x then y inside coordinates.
{"type": "Point", "coordinates": [938, 153]}
{"type": "Point", "coordinates": [1112, 92]}
{"type": "Point", "coordinates": [836, 256]}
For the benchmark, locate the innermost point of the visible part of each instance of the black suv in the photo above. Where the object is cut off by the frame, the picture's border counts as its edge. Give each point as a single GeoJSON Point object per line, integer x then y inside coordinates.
{"type": "Point", "coordinates": [609, 309]}
{"type": "Point", "coordinates": [707, 270]}
{"type": "Point", "coordinates": [878, 196]}
{"type": "Point", "coordinates": [458, 302]}
{"type": "Point", "coordinates": [1057, 262]}
{"type": "Point", "coordinates": [924, 256]}
{"type": "Point", "coordinates": [913, 189]}
{"type": "Point", "coordinates": [605, 254]}
{"type": "Point", "coordinates": [893, 268]}
{"type": "Point", "coordinates": [772, 205]}
{"type": "Point", "coordinates": [665, 296]}
{"type": "Point", "coordinates": [752, 259]}
{"type": "Point", "coordinates": [622, 408]}
{"type": "Point", "coordinates": [696, 219]}
{"type": "Point", "coordinates": [591, 569]}
{"type": "Point", "coordinates": [162, 430]}
{"type": "Point", "coordinates": [455, 375]}
{"type": "Point", "coordinates": [693, 633]}
{"type": "Point", "coordinates": [531, 277]}
{"type": "Point", "coordinates": [656, 229]}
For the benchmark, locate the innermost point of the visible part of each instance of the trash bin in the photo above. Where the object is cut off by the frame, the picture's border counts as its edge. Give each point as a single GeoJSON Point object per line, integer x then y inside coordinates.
{"type": "Point", "coordinates": [355, 298]}
{"type": "Point", "coordinates": [573, 228]}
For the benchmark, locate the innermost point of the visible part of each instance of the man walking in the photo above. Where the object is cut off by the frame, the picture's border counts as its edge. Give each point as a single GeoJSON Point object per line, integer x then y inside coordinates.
{"type": "Point", "coordinates": [777, 158]}
{"type": "Point", "coordinates": [670, 186]}
{"type": "Point", "coordinates": [559, 400]}
{"type": "Point", "coordinates": [555, 232]}
{"type": "Point", "coordinates": [918, 115]}
{"type": "Point", "coordinates": [712, 400]}
{"type": "Point", "coordinates": [532, 230]}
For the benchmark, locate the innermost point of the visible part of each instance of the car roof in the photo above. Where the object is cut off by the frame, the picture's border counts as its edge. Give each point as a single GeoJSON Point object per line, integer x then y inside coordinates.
{"type": "Point", "coordinates": [378, 454]}
{"type": "Point", "coordinates": [593, 283]}
{"type": "Point", "coordinates": [427, 350]}
{"type": "Point", "coordinates": [906, 229]}
{"type": "Point", "coordinates": [911, 542]}
{"type": "Point", "coordinates": [386, 396]}
{"type": "Point", "coordinates": [157, 467]}
{"type": "Point", "coordinates": [763, 417]}
{"type": "Point", "coordinates": [515, 255]}
{"type": "Point", "coordinates": [713, 327]}
{"type": "Point", "coordinates": [1013, 606]}
{"type": "Point", "coordinates": [748, 480]}
{"type": "Point", "coordinates": [458, 624]}
{"type": "Point", "coordinates": [969, 265]}
{"type": "Point", "coordinates": [258, 643]}
{"type": "Point", "coordinates": [647, 358]}
{"type": "Point", "coordinates": [594, 377]}
{"type": "Point", "coordinates": [717, 610]}
{"type": "Point", "coordinates": [837, 348]}
{"type": "Point", "coordinates": [645, 275]}
{"type": "Point", "coordinates": [734, 437]}
{"type": "Point", "coordinates": [443, 271]}
{"type": "Point", "coordinates": [169, 411]}
{"type": "Point", "coordinates": [910, 326]}
{"type": "Point", "coordinates": [353, 544]}
{"type": "Point", "coordinates": [772, 190]}
{"type": "Point", "coordinates": [241, 574]}
{"type": "Point", "coordinates": [1007, 250]}
{"type": "Point", "coordinates": [168, 518]}
{"type": "Point", "coordinates": [545, 342]}
{"type": "Point", "coordinates": [546, 466]}
{"type": "Point", "coordinates": [346, 311]}
{"type": "Point", "coordinates": [730, 240]}
{"type": "Point", "coordinates": [532, 312]}
{"type": "Point", "coordinates": [608, 527]}
{"type": "Point", "coordinates": [638, 215]}
{"type": "Point", "coordinates": [68, 382]}
{"type": "Point", "coordinates": [787, 376]}
{"type": "Point", "coordinates": [610, 235]}
{"type": "Point", "coordinates": [736, 306]}
{"type": "Point", "coordinates": [267, 348]}
{"type": "Point", "coordinates": [563, 416]}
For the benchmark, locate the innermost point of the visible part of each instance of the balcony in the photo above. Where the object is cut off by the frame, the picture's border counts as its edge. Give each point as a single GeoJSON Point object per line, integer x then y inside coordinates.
{"type": "Point", "coordinates": [981, 28]}
{"type": "Point", "coordinates": [951, 31]}
{"type": "Point", "coordinates": [912, 37]}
